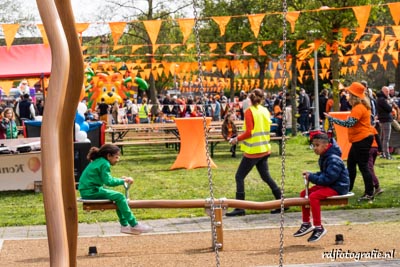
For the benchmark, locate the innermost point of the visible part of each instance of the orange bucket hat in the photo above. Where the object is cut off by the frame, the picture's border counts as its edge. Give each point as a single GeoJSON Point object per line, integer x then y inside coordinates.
{"type": "Point", "coordinates": [357, 89]}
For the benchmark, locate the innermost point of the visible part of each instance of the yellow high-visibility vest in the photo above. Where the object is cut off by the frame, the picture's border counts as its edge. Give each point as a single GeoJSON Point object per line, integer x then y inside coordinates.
{"type": "Point", "coordinates": [260, 135]}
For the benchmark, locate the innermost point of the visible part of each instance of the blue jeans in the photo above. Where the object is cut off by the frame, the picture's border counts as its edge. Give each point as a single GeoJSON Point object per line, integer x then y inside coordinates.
{"type": "Point", "coordinates": [386, 129]}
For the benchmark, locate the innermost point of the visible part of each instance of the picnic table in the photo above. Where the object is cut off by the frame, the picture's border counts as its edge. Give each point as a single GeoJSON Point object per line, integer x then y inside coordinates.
{"type": "Point", "coordinates": [167, 133]}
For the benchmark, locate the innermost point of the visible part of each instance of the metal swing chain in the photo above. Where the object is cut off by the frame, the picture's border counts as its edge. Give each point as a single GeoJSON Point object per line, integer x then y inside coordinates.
{"type": "Point", "coordinates": [284, 90]}
{"type": "Point", "coordinates": [210, 181]}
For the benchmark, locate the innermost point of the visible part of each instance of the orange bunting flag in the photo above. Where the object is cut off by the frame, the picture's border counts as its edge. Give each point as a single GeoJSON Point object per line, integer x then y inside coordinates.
{"type": "Point", "coordinates": [81, 27]}
{"type": "Point", "coordinates": [228, 46]}
{"type": "Point", "coordinates": [117, 29]}
{"type": "Point", "coordinates": [186, 26]}
{"type": "Point", "coordinates": [43, 33]}
{"type": "Point", "coordinates": [213, 46]}
{"type": "Point", "coordinates": [396, 30]}
{"type": "Point", "coordinates": [152, 28]}
{"type": "Point", "coordinates": [135, 47]}
{"type": "Point", "coordinates": [345, 33]}
{"type": "Point", "coordinates": [10, 30]}
{"type": "Point", "coordinates": [395, 12]}
{"type": "Point", "coordinates": [381, 29]}
{"type": "Point", "coordinates": [299, 43]}
{"type": "Point", "coordinates": [246, 44]}
{"type": "Point", "coordinates": [261, 52]}
{"type": "Point", "coordinates": [292, 18]}
{"type": "Point", "coordinates": [362, 15]}
{"type": "Point", "coordinates": [367, 57]}
{"type": "Point", "coordinates": [222, 22]}
{"type": "Point", "coordinates": [255, 23]}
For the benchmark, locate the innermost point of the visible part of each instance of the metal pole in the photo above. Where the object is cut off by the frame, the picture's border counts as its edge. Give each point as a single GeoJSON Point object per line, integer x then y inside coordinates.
{"type": "Point", "coordinates": [316, 100]}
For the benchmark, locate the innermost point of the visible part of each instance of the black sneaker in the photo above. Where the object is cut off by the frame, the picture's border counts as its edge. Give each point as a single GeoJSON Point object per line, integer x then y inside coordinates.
{"type": "Point", "coordinates": [277, 211]}
{"type": "Point", "coordinates": [367, 198]}
{"type": "Point", "coordinates": [317, 234]}
{"type": "Point", "coordinates": [305, 228]}
{"type": "Point", "coordinates": [236, 212]}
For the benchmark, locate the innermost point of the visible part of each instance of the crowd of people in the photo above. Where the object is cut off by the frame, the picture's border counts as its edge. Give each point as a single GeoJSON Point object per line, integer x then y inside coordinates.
{"type": "Point", "coordinates": [12, 114]}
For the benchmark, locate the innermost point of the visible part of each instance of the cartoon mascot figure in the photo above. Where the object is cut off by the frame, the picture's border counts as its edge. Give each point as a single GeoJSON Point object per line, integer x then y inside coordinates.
{"type": "Point", "coordinates": [111, 88]}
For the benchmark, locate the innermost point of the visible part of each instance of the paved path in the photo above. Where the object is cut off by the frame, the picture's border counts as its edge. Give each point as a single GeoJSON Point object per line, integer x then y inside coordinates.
{"type": "Point", "coordinates": [185, 225]}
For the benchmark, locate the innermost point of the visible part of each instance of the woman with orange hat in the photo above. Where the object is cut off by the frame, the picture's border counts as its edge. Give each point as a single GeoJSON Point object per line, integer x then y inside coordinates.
{"type": "Point", "coordinates": [360, 137]}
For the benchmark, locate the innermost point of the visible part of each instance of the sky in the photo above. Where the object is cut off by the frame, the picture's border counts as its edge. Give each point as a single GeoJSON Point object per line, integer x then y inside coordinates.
{"type": "Point", "coordinates": [84, 10]}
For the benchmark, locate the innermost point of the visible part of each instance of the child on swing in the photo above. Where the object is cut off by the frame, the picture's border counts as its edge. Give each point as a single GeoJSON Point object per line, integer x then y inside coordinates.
{"type": "Point", "coordinates": [97, 174]}
{"type": "Point", "coordinates": [331, 180]}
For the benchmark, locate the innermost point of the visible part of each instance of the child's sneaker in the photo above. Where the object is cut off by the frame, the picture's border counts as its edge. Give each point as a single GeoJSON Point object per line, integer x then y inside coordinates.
{"type": "Point", "coordinates": [136, 230]}
{"type": "Point", "coordinates": [305, 228]}
{"type": "Point", "coordinates": [317, 234]}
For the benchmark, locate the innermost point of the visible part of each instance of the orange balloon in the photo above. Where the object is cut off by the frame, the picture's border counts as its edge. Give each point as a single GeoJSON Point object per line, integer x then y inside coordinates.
{"type": "Point", "coordinates": [34, 164]}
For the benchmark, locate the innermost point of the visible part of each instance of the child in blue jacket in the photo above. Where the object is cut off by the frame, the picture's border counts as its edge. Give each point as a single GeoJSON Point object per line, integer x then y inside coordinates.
{"type": "Point", "coordinates": [332, 179]}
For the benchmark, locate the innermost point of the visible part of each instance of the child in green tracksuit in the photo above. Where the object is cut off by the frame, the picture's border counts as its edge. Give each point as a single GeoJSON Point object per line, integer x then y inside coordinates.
{"type": "Point", "coordinates": [97, 174]}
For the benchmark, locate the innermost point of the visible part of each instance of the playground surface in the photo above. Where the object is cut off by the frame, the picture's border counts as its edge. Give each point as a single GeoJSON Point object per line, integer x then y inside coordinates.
{"type": "Point", "coordinates": [252, 240]}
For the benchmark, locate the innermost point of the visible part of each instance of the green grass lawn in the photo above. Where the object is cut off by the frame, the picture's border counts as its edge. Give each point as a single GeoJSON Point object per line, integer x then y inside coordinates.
{"type": "Point", "coordinates": [150, 167]}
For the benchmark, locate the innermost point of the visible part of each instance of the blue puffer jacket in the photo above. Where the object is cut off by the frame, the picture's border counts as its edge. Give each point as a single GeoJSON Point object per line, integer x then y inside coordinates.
{"type": "Point", "coordinates": [333, 172]}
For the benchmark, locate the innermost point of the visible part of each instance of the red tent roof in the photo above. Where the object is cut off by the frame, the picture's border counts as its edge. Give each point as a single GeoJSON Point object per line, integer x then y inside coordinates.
{"type": "Point", "coordinates": [25, 61]}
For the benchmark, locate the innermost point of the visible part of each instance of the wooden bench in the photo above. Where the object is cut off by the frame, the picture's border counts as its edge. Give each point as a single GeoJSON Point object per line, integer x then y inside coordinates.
{"type": "Point", "coordinates": [167, 133]}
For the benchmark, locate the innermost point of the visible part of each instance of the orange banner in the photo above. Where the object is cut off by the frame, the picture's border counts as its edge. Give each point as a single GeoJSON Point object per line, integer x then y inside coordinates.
{"type": "Point", "coordinates": [117, 29]}
{"type": "Point", "coordinates": [152, 28]}
{"type": "Point", "coordinates": [10, 30]}
{"type": "Point", "coordinates": [362, 15]}
{"type": "Point", "coordinates": [222, 22]}
{"type": "Point", "coordinates": [292, 18]}
{"type": "Point", "coordinates": [186, 26]}
{"type": "Point", "coordinates": [255, 23]}
{"type": "Point", "coordinates": [395, 12]}
{"type": "Point", "coordinates": [43, 33]}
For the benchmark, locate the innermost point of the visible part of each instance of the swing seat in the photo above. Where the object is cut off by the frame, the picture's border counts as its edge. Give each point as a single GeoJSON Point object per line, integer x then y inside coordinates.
{"type": "Point", "coordinates": [98, 201]}
{"type": "Point", "coordinates": [338, 200]}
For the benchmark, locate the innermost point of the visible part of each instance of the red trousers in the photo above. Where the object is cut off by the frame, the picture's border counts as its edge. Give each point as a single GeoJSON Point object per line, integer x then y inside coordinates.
{"type": "Point", "coordinates": [315, 194]}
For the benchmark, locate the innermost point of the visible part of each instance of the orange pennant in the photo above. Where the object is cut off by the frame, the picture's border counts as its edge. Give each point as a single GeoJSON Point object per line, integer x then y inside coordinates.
{"type": "Point", "coordinates": [10, 30]}
{"type": "Point", "coordinates": [228, 46]}
{"type": "Point", "coordinates": [396, 30]}
{"type": "Point", "coordinates": [255, 23]}
{"type": "Point", "coordinates": [43, 33]}
{"type": "Point", "coordinates": [222, 22]}
{"type": "Point", "coordinates": [381, 29]}
{"type": "Point", "coordinates": [299, 43]}
{"type": "Point", "coordinates": [117, 29]}
{"type": "Point", "coordinates": [246, 44]}
{"type": "Point", "coordinates": [135, 47]}
{"type": "Point", "coordinates": [213, 46]}
{"type": "Point", "coordinates": [152, 28]}
{"type": "Point", "coordinates": [395, 12]}
{"type": "Point", "coordinates": [261, 52]}
{"type": "Point", "coordinates": [362, 15]}
{"type": "Point", "coordinates": [186, 26]}
{"type": "Point", "coordinates": [81, 27]}
{"type": "Point", "coordinates": [292, 18]}
{"type": "Point", "coordinates": [345, 33]}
